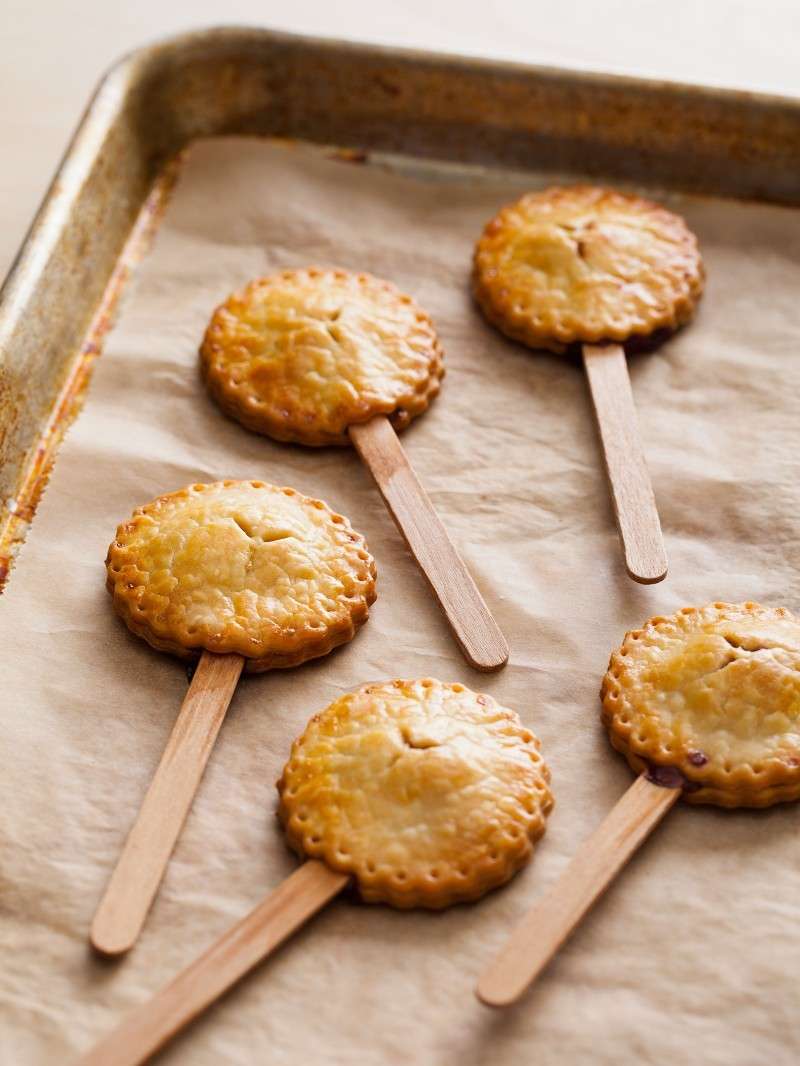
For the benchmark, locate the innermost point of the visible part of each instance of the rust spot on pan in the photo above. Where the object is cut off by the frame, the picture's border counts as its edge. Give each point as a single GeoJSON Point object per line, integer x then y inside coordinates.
{"type": "Point", "coordinates": [36, 471]}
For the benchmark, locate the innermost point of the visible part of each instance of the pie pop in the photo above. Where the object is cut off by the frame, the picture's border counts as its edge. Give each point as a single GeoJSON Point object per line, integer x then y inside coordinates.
{"type": "Point", "coordinates": [327, 357]}
{"type": "Point", "coordinates": [705, 706]}
{"type": "Point", "coordinates": [238, 575]}
{"type": "Point", "coordinates": [596, 268]}
{"type": "Point", "coordinates": [419, 793]}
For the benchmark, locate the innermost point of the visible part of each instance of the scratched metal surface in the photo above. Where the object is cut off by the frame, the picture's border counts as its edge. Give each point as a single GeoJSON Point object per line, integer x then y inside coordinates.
{"type": "Point", "coordinates": [93, 225]}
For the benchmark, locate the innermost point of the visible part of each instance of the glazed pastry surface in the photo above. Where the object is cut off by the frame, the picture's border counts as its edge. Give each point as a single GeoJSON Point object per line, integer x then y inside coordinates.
{"type": "Point", "coordinates": [586, 264]}
{"type": "Point", "coordinates": [304, 354]}
{"type": "Point", "coordinates": [427, 792]}
{"type": "Point", "coordinates": [241, 566]}
{"type": "Point", "coordinates": [714, 692]}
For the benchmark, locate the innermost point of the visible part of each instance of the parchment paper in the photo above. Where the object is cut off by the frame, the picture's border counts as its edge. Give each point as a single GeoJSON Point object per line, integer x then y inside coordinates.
{"type": "Point", "coordinates": [693, 956]}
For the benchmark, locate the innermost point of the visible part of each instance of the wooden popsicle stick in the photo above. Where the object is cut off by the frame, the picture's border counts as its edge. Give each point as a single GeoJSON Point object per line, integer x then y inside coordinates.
{"type": "Point", "coordinates": [476, 631]}
{"type": "Point", "coordinates": [137, 875]}
{"type": "Point", "coordinates": [631, 489]}
{"type": "Point", "coordinates": [551, 920]}
{"type": "Point", "coordinates": [150, 1026]}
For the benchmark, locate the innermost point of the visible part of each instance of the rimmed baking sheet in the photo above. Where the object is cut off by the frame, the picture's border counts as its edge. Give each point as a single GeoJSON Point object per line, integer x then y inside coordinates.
{"type": "Point", "coordinates": [693, 951]}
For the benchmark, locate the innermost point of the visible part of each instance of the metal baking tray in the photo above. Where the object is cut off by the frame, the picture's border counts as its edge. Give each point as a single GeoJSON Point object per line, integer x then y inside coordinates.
{"type": "Point", "coordinates": [108, 192]}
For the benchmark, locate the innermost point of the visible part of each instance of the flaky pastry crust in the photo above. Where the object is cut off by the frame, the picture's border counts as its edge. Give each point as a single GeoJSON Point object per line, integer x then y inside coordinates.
{"type": "Point", "coordinates": [715, 693]}
{"type": "Point", "coordinates": [241, 566]}
{"type": "Point", "coordinates": [586, 265]}
{"type": "Point", "coordinates": [428, 793]}
{"type": "Point", "coordinates": [304, 354]}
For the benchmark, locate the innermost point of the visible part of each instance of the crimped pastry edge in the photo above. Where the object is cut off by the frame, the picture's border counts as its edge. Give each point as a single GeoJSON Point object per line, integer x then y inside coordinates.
{"type": "Point", "coordinates": [285, 426]}
{"type": "Point", "coordinates": [742, 787]}
{"type": "Point", "coordinates": [306, 643]}
{"type": "Point", "coordinates": [561, 336]}
{"type": "Point", "coordinates": [452, 885]}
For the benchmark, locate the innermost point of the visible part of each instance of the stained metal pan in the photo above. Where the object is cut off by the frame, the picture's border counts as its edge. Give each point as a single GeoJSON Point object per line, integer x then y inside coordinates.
{"type": "Point", "coordinates": [107, 194]}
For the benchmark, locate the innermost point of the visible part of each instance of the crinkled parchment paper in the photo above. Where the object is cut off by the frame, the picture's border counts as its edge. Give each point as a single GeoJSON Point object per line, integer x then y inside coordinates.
{"type": "Point", "coordinates": [693, 955]}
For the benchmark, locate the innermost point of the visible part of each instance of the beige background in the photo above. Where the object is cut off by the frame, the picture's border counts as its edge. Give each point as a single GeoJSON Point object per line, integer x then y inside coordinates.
{"type": "Point", "coordinates": [54, 51]}
{"type": "Point", "coordinates": [693, 955]}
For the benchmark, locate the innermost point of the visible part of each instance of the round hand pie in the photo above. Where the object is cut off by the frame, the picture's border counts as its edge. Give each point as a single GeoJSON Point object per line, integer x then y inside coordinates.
{"type": "Point", "coordinates": [304, 354]}
{"type": "Point", "coordinates": [705, 705]}
{"type": "Point", "coordinates": [713, 693]}
{"type": "Point", "coordinates": [586, 265]}
{"type": "Point", "coordinates": [427, 793]}
{"type": "Point", "coordinates": [241, 566]}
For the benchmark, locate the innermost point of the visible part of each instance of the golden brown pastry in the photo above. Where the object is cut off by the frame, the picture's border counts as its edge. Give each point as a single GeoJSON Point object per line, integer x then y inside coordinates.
{"type": "Point", "coordinates": [427, 793]}
{"type": "Point", "coordinates": [241, 566]}
{"type": "Point", "coordinates": [586, 264]}
{"type": "Point", "coordinates": [304, 354]}
{"type": "Point", "coordinates": [713, 693]}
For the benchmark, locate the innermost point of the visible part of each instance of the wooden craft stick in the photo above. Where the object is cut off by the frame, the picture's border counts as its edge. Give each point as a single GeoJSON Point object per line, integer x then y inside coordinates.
{"type": "Point", "coordinates": [631, 490]}
{"type": "Point", "coordinates": [476, 631]}
{"type": "Point", "coordinates": [138, 873]}
{"type": "Point", "coordinates": [550, 921]}
{"type": "Point", "coordinates": [283, 911]}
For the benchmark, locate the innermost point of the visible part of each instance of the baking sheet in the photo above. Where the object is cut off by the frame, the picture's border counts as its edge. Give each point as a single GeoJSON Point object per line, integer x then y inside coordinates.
{"type": "Point", "coordinates": [693, 953]}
